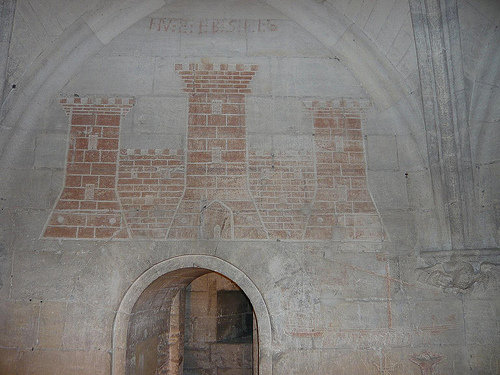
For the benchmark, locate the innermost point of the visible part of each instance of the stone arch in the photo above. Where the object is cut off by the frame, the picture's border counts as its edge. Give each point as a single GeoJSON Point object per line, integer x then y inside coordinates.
{"type": "Point", "coordinates": [184, 269]}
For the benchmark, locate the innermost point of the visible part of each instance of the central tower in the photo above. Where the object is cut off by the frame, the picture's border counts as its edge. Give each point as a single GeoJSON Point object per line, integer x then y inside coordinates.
{"type": "Point", "coordinates": [216, 202]}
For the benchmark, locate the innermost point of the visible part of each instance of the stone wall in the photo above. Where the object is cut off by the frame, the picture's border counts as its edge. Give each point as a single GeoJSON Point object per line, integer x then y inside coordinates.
{"type": "Point", "coordinates": [299, 149]}
{"type": "Point", "coordinates": [218, 338]}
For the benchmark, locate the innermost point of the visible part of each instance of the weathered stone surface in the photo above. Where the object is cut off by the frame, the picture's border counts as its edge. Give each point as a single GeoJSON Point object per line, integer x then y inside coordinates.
{"type": "Point", "coordinates": [19, 322]}
{"type": "Point", "coordinates": [68, 362]}
{"type": "Point", "coordinates": [297, 152]}
{"type": "Point", "coordinates": [52, 321]}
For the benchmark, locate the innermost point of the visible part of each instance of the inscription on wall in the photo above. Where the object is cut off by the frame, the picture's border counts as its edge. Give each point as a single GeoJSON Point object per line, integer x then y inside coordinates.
{"type": "Point", "coordinates": [212, 26]}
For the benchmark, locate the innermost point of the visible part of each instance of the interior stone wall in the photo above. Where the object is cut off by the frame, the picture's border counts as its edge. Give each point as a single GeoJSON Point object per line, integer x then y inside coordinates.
{"type": "Point", "coordinates": [218, 334]}
{"type": "Point", "coordinates": [337, 160]}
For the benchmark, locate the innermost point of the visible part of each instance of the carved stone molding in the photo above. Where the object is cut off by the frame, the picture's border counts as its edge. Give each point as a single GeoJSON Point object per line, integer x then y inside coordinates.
{"type": "Point", "coordinates": [461, 272]}
{"type": "Point", "coordinates": [438, 46]}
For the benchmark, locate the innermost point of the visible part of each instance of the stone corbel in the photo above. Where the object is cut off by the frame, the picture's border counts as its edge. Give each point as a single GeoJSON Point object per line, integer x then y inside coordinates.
{"type": "Point", "coordinates": [460, 272]}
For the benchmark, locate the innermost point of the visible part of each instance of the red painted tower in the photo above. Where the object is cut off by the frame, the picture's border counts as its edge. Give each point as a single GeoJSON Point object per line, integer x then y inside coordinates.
{"type": "Point", "coordinates": [216, 202]}
{"type": "Point", "coordinates": [88, 206]}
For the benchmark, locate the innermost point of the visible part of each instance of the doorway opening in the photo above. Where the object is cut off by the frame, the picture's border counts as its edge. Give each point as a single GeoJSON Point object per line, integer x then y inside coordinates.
{"type": "Point", "coordinates": [220, 328]}
{"type": "Point", "coordinates": [192, 321]}
{"type": "Point", "coordinates": [148, 309]}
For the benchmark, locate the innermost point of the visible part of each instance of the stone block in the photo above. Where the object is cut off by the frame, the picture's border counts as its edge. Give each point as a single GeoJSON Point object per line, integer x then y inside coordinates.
{"type": "Point", "coordinates": [103, 75]}
{"type": "Point", "coordinates": [209, 44]}
{"type": "Point", "coordinates": [144, 38]}
{"type": "Point", "coordinates": [357, 277]}
{"type": "Point", "coordinates": [355, 315]}
{"type": "Point", "coordinates": [46, 275]}
{"type": "Point", "coordinates": [489, 182]}
{"type": "Point", "coordinates": [223, 283]}
{"type": "Point", "coordinates": [402, 43]}
{"type": "Point", "coordinates": [382, 152]}
{"type": "Point", "coordinates": [378, 18]}
{"type": "Point", "coordinates": [58, 362]}
{"type": "Point", "coordinates": [203, 329]}
{"type": "Point", "coordinates": [472, 54]}
{"type": "Point", "coordinates": [259, 142]}
{"type": "Point", "coordinates": [99, 275]}
{"type": "Point", "coordinates": [166, 79]}
{"type": "Point", "coordinates": [385, 121]}
{"type": "Point", "coordinates": [147, 322]}
{"type": "Point", "coordinates": [52, 320]}
{"type": "Point", "coordinates": [24, 155]}
{"type": "Point", "coordinates": [265, 115]}
{"type": "Point", "coordinates": [373, 314]}
{"type": "Point", "coordinates": [108, 21]}
{"type": "Point", "coordinates": [197, 372]}
{"type": "Point", "coordinates": [231, 355]}
{"type": "Point", "coordinates": [146, 359]}
{"type": "Point", "coordinates": [293, 143]}
{"type": "Point", "coordinates": [213, 9]}
{"type": "Point", "coordinates": [23, 49]}
{"type": "Point", "coordinates": [364, 14]}
{"type": "Point", "coordinates": [312, 77]}
{"type": "Point", "coordinates": [147, 141]}
{"type": "Point", "coordinates": [474, 22]}
{"type": "Point", "coordinates": [41, 20]}
{"type": "Point", "coordinates": [397, 16]}
{"type": "Point", "coordinates": [68, 12]}
{"type": "Point", "coordinates": [408, 64]}
{"type": "Point", "coordinates": [30, 188]}
{"type": "Point", "coordinates": [9, 359]}
{"type": "Point", "coordinates": [481, 323]}
{"type": "Point", "coordinates": [420, 190]}
{"type": "Point", "coordinates": [5, 261]}
{"type": "Point", "coordinates": [120, 255]}
{"type": "Point", "coordinates": [284, 38]}
{"type": "Point", "coordinates": [340, 361]}
{"type": "Point", "coordinates": [483, 358]}
{"type": "Point", "coordinates": [411, 154]}
{"type": "Point", "coordinates": [484, 148]}
{"type": "Point", "coordinates": [54, 119]}
{"type": "Point", "coordinates": [87, 327]}
{"type": "Point", "coordinates": [399, 227]}
{"type": "Point", "coordinates": [196, 357]}
{"type": "Point", "coordinates": [160, 115]}
{"type": "Point", "coordinates": [19, 323]}
{"type": "Point", "coordinates": [438, 321]}
{"type": "Point", "coordinates": [388, 189]}
{"type": "Point", "coordinates": [235, 371]}
{"type": "Point", "coordinates": [199, 284]}
{"type": "Point", "coordinates": [199, 303]}
{"type": "Point", "coordinates": [50, 151]}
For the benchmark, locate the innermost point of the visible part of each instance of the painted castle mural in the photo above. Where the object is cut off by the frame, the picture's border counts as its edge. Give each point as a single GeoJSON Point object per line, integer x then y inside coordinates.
{"type": "Point", "coordinates": [217, 188]}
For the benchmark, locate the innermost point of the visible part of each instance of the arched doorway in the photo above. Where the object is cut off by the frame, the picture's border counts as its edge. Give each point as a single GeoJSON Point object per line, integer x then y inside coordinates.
{"type": "Point", "coordinates": [148, 327]}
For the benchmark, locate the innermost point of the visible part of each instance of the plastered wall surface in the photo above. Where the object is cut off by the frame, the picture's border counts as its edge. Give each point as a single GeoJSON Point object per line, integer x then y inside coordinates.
{"type": "Point", "coordinates": [336, 160]}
